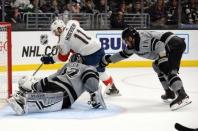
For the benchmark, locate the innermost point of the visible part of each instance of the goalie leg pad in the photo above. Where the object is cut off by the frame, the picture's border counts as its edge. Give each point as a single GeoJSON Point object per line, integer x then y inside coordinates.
{"type": "Point", "coordinates": [16, 103]}
{"type": "Point", "coordinates": [43, 102]}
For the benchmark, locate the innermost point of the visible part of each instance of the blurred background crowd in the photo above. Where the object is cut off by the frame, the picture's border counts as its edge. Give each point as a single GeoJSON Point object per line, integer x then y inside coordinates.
{"type": "Point", "coordinates": [101, 14]}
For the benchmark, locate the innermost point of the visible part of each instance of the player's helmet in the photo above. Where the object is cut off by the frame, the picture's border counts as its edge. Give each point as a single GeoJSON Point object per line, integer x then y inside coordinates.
{"type": "Point", "coordinates": [129, 31]}
{"type": "Point", "coordinates": [77, 58]}
{"type": "Point", "coordinates": [57, 24]}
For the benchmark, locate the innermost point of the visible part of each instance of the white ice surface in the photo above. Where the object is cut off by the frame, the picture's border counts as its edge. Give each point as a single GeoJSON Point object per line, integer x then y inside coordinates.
{"type": "Point", "coordinates": [139, 108]}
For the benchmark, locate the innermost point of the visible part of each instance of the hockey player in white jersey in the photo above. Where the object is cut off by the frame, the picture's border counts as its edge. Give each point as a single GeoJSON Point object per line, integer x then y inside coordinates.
{"type": "Point", "coordinates": [58, 91]}
{"type": "Point", "coordinates": [72, 38]}
{"type": "Point", "coordinates": [166, 50]}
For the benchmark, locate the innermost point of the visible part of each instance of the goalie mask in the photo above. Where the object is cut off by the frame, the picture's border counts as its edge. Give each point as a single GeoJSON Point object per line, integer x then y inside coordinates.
{"type": "Point", "coordinates": [77, 58]}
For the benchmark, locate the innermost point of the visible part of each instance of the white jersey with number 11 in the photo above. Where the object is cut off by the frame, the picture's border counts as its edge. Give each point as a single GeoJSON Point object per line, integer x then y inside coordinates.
{"type": "Point", "coordinates": [76, 39]}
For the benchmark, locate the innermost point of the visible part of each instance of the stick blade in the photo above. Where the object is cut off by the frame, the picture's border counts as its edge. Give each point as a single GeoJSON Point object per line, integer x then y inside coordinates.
{"type": "Point", "coordinates": [180, 127]}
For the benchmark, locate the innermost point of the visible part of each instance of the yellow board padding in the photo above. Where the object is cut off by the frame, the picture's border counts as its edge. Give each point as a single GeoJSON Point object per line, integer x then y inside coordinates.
{"type": "Point", "coordinates": [126, 64]}
{"type": "Point", "coordinates": [122, 64]}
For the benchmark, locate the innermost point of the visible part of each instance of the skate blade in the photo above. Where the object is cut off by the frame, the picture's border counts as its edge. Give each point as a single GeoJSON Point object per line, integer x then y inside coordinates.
{"type": "Point", "coordinates": [168, 101]}
{"type": "Point", "coordinates": [15, 106]}
{"type": "Point", "coordinates": [184, 103]}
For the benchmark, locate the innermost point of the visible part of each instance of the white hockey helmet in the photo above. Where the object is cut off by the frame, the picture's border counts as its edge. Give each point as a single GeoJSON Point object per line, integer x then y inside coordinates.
{"type": "Point", "coordinates": [25, 82]}
{"type": "Point", "coordinates": [57, 24]}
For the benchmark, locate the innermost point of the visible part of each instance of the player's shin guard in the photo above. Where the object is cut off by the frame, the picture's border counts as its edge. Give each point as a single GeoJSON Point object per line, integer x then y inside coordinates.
{"type": "Point", "coordinates": [169, 95]}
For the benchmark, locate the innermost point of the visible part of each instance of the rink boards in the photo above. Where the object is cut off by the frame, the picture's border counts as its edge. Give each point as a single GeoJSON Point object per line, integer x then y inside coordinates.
{"type": "Point", "coordinates": [28, 47]}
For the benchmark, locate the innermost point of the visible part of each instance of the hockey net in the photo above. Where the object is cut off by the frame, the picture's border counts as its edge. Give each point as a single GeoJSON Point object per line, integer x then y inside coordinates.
{"type": "Point", "coordinates": [5, 61]}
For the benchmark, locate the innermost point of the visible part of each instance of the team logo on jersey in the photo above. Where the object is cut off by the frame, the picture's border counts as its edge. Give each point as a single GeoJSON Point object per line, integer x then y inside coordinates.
{"type": "Point", "coordinates": [71, 72]}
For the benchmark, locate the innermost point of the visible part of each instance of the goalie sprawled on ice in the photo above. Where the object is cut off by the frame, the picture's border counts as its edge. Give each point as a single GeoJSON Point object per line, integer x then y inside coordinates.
{"type": "Point", "coordinates": [58, 91]}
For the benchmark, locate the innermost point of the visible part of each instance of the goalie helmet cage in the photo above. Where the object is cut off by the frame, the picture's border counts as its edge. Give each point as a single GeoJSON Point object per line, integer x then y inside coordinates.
{"type": "Point", "coordinates": [5, 60]}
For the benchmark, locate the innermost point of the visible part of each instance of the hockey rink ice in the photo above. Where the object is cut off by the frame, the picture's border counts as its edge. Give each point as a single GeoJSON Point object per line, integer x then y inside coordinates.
{"type": "Point", "coordinates": [139, 108]}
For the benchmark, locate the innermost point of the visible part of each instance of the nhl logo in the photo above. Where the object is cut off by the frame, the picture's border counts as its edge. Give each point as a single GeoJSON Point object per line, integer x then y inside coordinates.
{"type": "Point", "coordinates": [44, 39]}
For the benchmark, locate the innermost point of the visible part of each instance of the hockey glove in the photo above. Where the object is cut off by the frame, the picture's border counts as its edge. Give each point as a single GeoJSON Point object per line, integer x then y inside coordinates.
{"type": "Point", "coordinates": [163, 65]}
{"type": "Point", "coordinates": [47, 59]}
{"type": "Point", "coordinates": [105, 61]}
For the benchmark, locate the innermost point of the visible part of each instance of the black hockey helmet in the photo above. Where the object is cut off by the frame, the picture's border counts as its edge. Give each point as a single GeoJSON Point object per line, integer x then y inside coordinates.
{"type": "Point", "coordinates": [129, 31]}
{"type": "Point", "coordinates": [77, 57]}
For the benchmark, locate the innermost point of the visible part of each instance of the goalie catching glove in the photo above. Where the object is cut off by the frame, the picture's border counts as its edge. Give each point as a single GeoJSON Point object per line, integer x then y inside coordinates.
{"type": "Point", "coordinates": [47, 59]}
{"type": "Point", "coordinates": [105, 61]}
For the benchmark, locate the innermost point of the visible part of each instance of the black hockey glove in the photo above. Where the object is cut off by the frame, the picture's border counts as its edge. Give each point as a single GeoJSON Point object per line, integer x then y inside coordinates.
{"type": "Point", "coordinates": [163, 65]}
{"type": "Point", "coordinates": [47, 59]}
{"type": "Point", "coordinates": [105, 61]}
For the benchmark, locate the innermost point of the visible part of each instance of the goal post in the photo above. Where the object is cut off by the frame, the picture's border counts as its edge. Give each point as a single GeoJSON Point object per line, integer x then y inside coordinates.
{"type": "Point", "coordinates": [5, 60]}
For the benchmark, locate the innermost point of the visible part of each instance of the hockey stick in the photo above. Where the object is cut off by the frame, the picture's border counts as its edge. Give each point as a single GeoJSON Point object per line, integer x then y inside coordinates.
{"type": "Point", "coordinates": [180, 127]}
{"type": "Point", "coordinates": [37, 69]}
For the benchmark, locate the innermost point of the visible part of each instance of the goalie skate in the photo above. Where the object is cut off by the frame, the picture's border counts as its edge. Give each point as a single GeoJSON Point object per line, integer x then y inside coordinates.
{"type": "Point", "coordinates": [179, 102]}
{"type": "Point", "coordinates": [16, 105]}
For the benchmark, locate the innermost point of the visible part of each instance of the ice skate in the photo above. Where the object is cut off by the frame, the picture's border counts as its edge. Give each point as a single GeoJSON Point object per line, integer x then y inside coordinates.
{"type": "Point", "coordinates": [112, 91]}
{"type": "Point", "coordinates": [181, 101]}
{"type": "Point", "coordinates": [168, 97]}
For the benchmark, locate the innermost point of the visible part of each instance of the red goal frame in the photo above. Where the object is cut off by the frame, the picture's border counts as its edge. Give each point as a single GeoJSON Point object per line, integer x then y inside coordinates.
{"type": "Point", "coordinates": [9, 55]}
